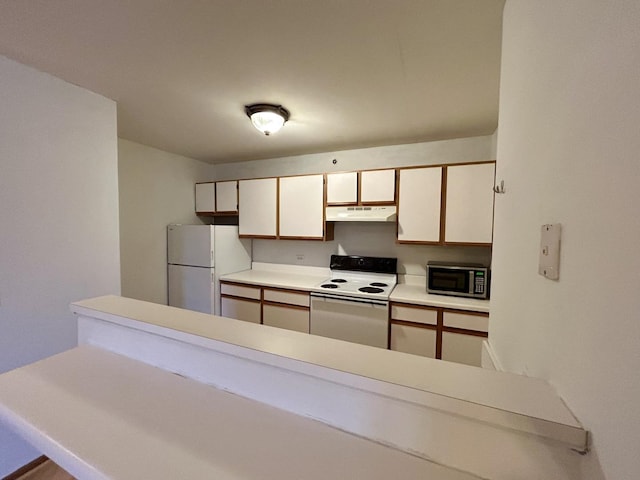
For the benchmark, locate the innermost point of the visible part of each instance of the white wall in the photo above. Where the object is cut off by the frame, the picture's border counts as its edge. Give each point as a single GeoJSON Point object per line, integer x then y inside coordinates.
{"type": "Point", "coordinates": [568, 151]}
{"type": "Point", "coordinates": [156, 188]}
{"type": "Point", "coordinates": [473, 149]}
{"type": "Point", "coordinates": [364, 239]}
{"type": "Point", "coordinates": [58, 218]}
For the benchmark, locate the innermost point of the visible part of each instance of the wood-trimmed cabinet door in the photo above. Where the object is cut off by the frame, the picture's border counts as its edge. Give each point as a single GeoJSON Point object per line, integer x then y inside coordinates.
{"type": "Point", "coordinates": [205, 201]}
{"type": "Point", "coordinates": [258, 208]}
{"type": "Point", "coordinates": [469, 204]}
{"type": "Point", "coordinates": [301, 207]}
{"type": "Point", "coordinates": [419, 205]}
{"type": "Point", "coordinates": [227, 197]}
{"type": "Point", "coordinates": [342, 188]}
{"type": "Point", "coordinates": [414, 329]}
{"type": "Point", "coordinates": [241, 302]}
{"type": "Point", "coordinates": [462, 336]}
{"type": "Point", "coordinates": [378, 187]}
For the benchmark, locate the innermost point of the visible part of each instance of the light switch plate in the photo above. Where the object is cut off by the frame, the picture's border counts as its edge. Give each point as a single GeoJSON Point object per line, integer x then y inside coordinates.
{"type": "Point", "coordinates": [549, 255]}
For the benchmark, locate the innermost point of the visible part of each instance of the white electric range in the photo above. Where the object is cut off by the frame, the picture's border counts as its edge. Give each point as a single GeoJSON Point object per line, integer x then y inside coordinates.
{"type": "Point", "coordinates": [353, 304]}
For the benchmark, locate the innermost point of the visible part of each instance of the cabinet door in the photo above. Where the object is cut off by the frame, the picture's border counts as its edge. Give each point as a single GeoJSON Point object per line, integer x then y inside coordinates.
{"type": "Point", "coordinates": [247, 310]}
{"type": "Point", "coordinates": [413, 339]}
{"type": "Point", "coordinates": [302, 207]}
{"type": "Point", "coordinates": [469, 206]}
{"type": "Point", "coordinates": [205, 197]}
{"type": "Point", "coordinates": [462, 348]}
{"type": "Point", "coordinates": [281, 316]}
{"type": "Point", "coordinates": [257, 202]}
{"type": "Point", "coordinates": [378, 186]}
{"type": "Point", "coordinates": [342, 188]}
{"type": "Point", "coordinates": [227, 197]}
{"type": "Point", "coordinates": [419, 205]}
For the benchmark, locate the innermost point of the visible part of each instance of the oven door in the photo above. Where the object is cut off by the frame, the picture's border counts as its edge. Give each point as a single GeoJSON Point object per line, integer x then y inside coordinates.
{"type": "Point", "coordinates": [358, 320]}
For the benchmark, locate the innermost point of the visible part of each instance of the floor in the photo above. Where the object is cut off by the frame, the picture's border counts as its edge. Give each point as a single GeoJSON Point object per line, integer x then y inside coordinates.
{"type": "Point", "coordinates": [46, 470]}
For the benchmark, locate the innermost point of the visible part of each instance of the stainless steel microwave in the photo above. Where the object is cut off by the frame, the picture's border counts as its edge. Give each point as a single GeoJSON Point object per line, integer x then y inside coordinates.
{"type": "Point", "coordinates": [458, 279]}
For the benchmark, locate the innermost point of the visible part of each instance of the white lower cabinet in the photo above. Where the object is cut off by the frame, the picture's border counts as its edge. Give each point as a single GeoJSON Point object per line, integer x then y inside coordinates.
{"type": "Point", "coordinates": [444, 334]}
{"type": "Point", "coordinates": [283, 316]}
{"type": "Point", "coordinates": [462, 348]}
{"type": "Point", "coordinates": [242, 302]}
{"type": "Point", "coordinates": [462, 336]}
{"type": "Point", "coordinates": [414, 339]}
{"type": "Point", "coordinates": [240, 309]}
{"type": "Point", "coordinates": [287, 309]}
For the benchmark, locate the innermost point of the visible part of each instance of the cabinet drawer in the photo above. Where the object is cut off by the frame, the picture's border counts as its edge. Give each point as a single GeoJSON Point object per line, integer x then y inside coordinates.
{"type": "Point", "coordinates": [240, 291]}
{"type": "Point", "coordinates": [241, 309]}
{"type": "Point", "coordinates": [283, 296]}
{"type": "Point", "coordinates": [413, 314]}
{"type": "Point", "coordinates": [283, 317]}
{"type": "Point", "coordinates": [461, 348]}
{"type": "Point", "coordinates": [415, 340]}
{"type": "Point", "coordinates": [479, 323]}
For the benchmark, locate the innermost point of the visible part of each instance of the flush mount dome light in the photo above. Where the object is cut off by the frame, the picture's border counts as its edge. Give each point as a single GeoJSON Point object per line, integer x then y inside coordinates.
{"type": "Point", "coordinates": [267, 118]}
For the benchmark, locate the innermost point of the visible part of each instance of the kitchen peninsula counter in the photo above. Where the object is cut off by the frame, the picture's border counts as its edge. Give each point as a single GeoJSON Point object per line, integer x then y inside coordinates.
{"type": "Point", "coordinates": [237, 372]}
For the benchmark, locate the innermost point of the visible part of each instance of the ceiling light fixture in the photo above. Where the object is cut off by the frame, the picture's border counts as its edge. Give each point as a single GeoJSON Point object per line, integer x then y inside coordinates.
{"type": "Point", "coordinates": [266, 117]}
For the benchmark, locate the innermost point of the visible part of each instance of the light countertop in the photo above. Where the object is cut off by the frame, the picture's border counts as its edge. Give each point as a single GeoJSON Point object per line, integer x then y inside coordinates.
{"type": "Point", "coordinates": [411, 289]}
{"type": "Point", "coordinates": [107, 416]}
{"type": "Point", "coordinates": [280, 276]}
{"type": "Point", "coordinates": [502, 391]}
{"type": "Point", "coordinates": [414, 292]}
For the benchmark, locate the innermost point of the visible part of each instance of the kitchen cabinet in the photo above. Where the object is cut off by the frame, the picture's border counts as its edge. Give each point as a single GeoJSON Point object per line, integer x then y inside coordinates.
{"type": "Point", "coordinates": [227, 197]}
{"type": "Point", "coordinates": [440, 333]}
{"type": "Point", "coordinates": [462, 336]}
{"type": "Point", "coordinates": [258, 208]}
{"type": "Point", "coordinates": [414, 329]}
{"type": "Point", "coordinates": [287, 309]}
{"type": "Point", "coordinates": [217, 198]}
{"type": "Point", "coordinates": [205, 198]}
{"type": "Point", "coordinates": [378, 187]}
{"type": "Point", "coordinates": [342, 188]}
{"type": "Point", "coordinates": [419, 205]}
{"type": "Point", "coordinates": [469, 204]}
{"type": "Point", "coordinates": [301, 207]}
{"type": "Point", "coordinates": [368, 187]}
{"type": "Point", "coordinates": [241, 302]}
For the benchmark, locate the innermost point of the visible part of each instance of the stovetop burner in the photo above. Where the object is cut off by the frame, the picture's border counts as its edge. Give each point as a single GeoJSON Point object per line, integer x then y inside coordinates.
{"type": "Point", "coordinates": [371, 290]}
{"type": "Point", "coordinates": [359, 277]}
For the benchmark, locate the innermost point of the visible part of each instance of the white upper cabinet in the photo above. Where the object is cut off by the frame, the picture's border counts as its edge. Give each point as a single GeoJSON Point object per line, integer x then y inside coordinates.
{"type": "Point", "coordinates": [342, 188]}
{"type": "Point", "coordinates": [302, 207]}
{"type": "Point", "coordinates": [257, 202]}
{"type": "Point", "coordinates": [378, 186]}
{"type": "Point", "coordinates": [227, 197]}
{"type": "Point", "coordinates": [469, 203]}
{"type": "Point", "coordinates": [205, 197]}
{"type": "Point", "coordinates": [419, 205]}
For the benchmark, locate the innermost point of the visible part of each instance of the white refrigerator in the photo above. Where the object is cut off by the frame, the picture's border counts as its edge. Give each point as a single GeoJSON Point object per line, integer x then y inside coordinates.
{"type": "Point", "coordinates": [197, 256]}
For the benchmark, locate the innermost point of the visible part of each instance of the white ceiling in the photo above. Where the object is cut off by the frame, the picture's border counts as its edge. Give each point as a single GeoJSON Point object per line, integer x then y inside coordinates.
{"type": "Point", "coordinates": [353, 73]}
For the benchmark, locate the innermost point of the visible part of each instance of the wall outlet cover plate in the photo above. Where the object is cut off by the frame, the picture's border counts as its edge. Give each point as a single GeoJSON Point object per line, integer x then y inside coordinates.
{"type": "Point", "coordinates": [549, 254]}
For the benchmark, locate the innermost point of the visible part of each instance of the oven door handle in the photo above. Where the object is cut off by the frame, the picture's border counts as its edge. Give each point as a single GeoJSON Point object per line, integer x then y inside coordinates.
{"type": "Point", "coordinates": [347, 299]}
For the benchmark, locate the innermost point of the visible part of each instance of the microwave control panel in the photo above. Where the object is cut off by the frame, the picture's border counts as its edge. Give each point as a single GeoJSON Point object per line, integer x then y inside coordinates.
{"type": "Point", "coordinates": [479, 282]}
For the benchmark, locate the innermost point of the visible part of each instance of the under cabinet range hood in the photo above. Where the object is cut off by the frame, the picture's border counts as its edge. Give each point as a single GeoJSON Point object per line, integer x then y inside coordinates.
{"type": "Point", "coordinates": [361, 214]}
